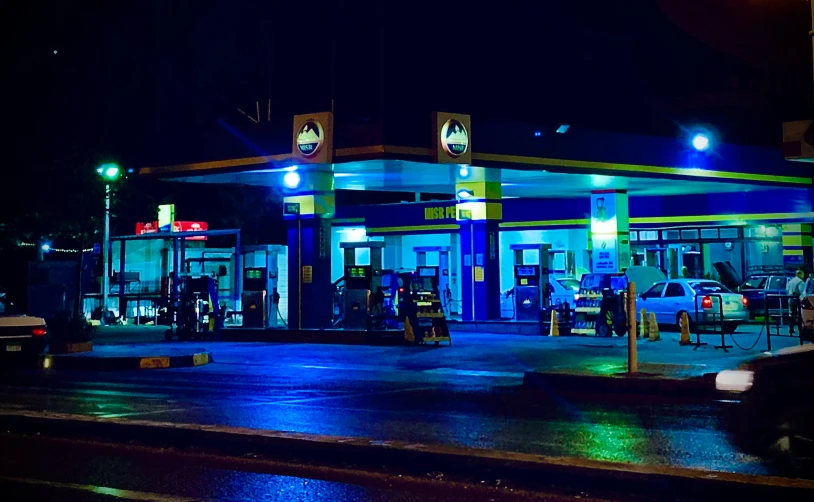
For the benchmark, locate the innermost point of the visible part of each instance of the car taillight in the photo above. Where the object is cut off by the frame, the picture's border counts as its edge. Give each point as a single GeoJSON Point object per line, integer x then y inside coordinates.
{"type": "Point", "coordinates": [40, 331]}
{"type": "Point", "coordinates": [745, 301]}
{"type": "Point", "coordinates": [706, 302]}
{"type": "Point", "coordinates": [806, 304]}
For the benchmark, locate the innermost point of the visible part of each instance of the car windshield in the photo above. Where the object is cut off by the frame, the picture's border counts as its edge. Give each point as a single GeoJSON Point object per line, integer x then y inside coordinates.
{"type": "Point", "coordinates": [755, 282]}
{"type": "Point", "coordinates": [709, 287]}
{"type": "Point", "coordinates": [569, 284]}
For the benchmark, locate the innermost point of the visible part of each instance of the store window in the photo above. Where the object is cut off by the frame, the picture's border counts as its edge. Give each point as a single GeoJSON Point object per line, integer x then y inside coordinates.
{"type": "Point", "coordinates": [709, 233]}
{"type": "Point", "coordinates": [689, 234]}
{"type": "Point", "coordinates": [728, 233]}
{"type": "Point", "coordinates": [648, 235]}
{"type": "Point", "coordinates": [671, 235]}
{"type": "Point", "coordinates": [634, 236]}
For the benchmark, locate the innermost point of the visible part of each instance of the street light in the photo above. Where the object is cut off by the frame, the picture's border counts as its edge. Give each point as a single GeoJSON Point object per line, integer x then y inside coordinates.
{"type": "Point", "coordinates": [700, 142]}
{"type": "Point", "coordinates": [109, 173]}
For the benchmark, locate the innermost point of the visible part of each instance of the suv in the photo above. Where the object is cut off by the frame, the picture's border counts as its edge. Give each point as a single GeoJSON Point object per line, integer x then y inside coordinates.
{"type": "Point", "coordinates": [19, 332]}
{"type": "Point", "coordinates": [756, 287]}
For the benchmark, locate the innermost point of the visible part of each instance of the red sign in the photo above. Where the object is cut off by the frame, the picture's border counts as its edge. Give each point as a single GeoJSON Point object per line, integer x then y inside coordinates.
{"type": "Point", "coordinates": [191, 226]}
{"type": "Point", "coordinates": [146, 228]}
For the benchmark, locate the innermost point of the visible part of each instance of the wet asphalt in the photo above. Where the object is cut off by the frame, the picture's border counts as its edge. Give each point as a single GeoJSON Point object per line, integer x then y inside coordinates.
{"type": "Point", "coordinates": [346, 397]}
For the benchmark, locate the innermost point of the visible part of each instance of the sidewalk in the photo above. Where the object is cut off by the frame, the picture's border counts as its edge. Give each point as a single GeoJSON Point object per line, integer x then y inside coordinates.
{"type": "Point", "coordinates": [492, 355]}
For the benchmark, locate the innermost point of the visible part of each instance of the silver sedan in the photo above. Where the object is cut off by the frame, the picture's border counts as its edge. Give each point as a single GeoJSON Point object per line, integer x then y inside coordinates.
{"type": "Point", "coordinates": [704, 301]}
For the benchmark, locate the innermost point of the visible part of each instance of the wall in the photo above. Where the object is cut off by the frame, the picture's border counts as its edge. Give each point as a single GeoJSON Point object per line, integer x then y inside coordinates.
{"type": "Point", "coordinates": [575, 240]}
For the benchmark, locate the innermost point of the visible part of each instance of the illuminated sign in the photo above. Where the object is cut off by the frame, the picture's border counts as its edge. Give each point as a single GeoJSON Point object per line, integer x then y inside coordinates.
{"type": "Point", "coordinates": [166, 215]}
{"type": "Point", "coordinates": [254, 273]}
{"type": "Point", "coordinates": [454, 138]}
{"type": "Point", "coordinates": [439, 213]}
{"type": "Point", "coordinates": [191, 226]}
{"type": "Point", "coordinates": [146, 228]}
{"type": "Point", "coordinates": [310, 138]}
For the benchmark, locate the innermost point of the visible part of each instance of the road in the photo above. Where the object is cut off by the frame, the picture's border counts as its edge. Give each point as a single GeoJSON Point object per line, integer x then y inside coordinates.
{"type": "Point", "coordinates": [348, 393]}
{"type": "Point", "coordinates": [39, 470]}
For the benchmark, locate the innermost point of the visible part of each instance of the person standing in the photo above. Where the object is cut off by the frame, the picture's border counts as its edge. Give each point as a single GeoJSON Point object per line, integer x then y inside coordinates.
{"type": "Point", "coordinates": [795, 290]}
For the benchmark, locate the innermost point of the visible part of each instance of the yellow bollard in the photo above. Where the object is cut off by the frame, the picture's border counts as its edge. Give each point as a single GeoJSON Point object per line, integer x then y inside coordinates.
{"type": "Point", "coordinates": [644, 325]}
{"type": "Point", "coordinates": [685, 330]}
{"type": "Point", "coordinates": [555, 324]}
{"type": "Point", "coordinates": [654, 328]}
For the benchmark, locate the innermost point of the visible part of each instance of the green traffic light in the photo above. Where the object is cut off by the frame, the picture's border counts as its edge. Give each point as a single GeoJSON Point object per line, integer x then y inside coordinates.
{"type": "Point", "coordinates": [109, 171]}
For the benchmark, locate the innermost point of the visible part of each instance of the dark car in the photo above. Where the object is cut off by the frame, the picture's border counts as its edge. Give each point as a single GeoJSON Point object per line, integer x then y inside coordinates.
{"type": "Point", "coordinates": [774, 411]}
{"type": "Point", "coordinates": [756, 288]}
{"type": "Point", "coordinates": [20, 333]}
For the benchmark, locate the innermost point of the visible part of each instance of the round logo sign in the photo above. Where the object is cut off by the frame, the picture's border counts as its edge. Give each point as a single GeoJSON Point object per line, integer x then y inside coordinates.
{"type": "Point", "coordinates": [527, 302]}
{"type": "Point", "coordinates": [310, 138]}
{"type": "Point", "coordinates": [454, 138]}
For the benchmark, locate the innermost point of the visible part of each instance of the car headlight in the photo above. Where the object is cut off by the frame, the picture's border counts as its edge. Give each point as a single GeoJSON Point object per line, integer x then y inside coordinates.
{"type": "Point", "coordinates": [734, 380]}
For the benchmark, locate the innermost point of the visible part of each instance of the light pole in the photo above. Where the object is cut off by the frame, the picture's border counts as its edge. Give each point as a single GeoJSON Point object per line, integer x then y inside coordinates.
{"type": "Point", "coordinates": [109, 173]}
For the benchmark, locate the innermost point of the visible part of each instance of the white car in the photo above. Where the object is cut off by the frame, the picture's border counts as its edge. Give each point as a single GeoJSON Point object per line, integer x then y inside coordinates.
{"type": "Point", "coordinates": [20, 333]}
{"type": "Point", "coordinates": [699, 298]}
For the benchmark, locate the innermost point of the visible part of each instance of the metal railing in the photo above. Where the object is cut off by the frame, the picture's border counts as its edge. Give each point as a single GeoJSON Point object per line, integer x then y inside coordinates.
{"type": "Point", "coordinates": [721, 320]}
{"type": "Point", "coordinates": [792, 313]}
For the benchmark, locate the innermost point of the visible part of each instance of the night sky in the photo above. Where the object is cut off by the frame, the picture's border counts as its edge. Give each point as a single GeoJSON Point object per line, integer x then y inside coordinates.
{"type": "Point", "coordinates": [148, 79]}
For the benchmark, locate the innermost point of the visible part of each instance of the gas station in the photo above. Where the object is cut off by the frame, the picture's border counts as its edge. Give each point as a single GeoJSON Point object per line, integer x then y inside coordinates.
{"type": "Point", "coordinates": [523, 213]}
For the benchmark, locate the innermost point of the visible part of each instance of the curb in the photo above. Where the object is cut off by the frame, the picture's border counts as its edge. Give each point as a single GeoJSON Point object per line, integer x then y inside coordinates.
{"type": "Point", "coordinates": [697, 387]}
{"type": "Point", "coordinates": [530, 471]}
{"type": "Point", "coordinates": [73, 362]}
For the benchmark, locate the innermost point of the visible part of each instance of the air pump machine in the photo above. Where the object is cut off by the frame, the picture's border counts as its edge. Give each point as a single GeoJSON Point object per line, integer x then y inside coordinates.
{"type": "Point", "coordinates": [531, 280]}
{"type": "Point", "coordinates": [361, 281]}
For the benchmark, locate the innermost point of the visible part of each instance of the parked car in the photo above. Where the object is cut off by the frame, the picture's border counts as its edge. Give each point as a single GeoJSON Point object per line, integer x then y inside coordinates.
{"type": "Point", "coordinates": [773, 413]}
{"type": "Point", "coordinates": [758, 286]}
{"type": "Point", "coordinates": [669, 299]}
{"type": "Point", "coordinates": [20, 333]}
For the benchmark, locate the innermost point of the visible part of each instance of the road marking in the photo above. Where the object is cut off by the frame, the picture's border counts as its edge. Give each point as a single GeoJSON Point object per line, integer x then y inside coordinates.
{"type": "Point", "coordinates": [101, 490]}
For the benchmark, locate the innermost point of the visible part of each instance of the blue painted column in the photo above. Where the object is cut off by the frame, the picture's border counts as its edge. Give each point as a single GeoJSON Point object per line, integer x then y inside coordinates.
{"type": "Point", "coordinates": [310, 289]}
{"type": "Point", "coordinates": [479, 218]}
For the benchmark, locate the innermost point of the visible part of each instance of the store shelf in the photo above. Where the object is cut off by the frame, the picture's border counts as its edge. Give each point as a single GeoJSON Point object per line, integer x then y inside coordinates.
{"type": "Point", "coordinates": [437, 315]}
{"type": "Point", "coordinates": [587, 310]}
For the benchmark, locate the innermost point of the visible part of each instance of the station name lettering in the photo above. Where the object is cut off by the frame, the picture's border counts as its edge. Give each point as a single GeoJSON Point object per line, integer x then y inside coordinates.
{"type": "Point", "coordinates": [439, 213]}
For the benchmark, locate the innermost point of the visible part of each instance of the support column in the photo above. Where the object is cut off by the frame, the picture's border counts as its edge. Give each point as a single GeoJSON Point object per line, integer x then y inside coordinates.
{"type": "Point", "coordinates": [797, 241]}
{"type": "Point", "coordinates": [310, 289]}
{"type": "Point", "coordinates": [479, 214]}
{"type": "Point", "coordinates": [610, 232]}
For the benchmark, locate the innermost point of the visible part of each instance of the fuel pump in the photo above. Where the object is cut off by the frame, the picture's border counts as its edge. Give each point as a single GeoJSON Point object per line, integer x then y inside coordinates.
{"type": "Point", "coordinates": [261, 286]}
{"type": "Point", "coordinates": [363, 284]}
{"type": "Point", "coordinates": [531, 276]}
{"type": "Point", "coordinates": [446, 276]}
